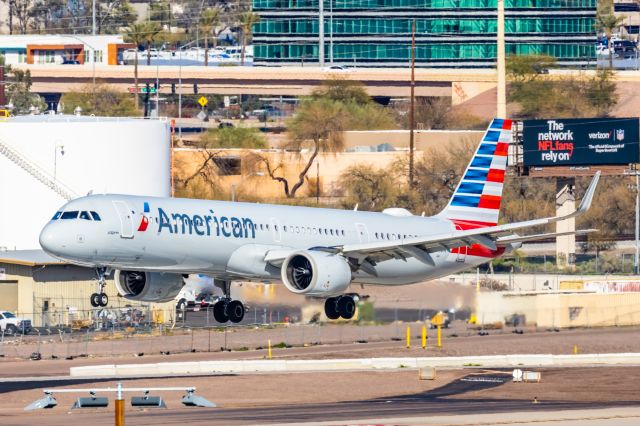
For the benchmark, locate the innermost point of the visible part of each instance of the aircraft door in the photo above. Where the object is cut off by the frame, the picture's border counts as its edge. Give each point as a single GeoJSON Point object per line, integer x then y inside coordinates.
{"type": "Point", "coordinates": [276, 230]}
{"type": "Point", "coordinates": [126, 219]}
{"type": "Point", "coordinates": [363, 233]}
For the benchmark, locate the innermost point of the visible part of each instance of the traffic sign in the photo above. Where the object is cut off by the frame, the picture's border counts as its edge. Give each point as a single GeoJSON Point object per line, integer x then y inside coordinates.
{"type": "Point", "coordinates": [142, 90]}
{"type": "Point", "coordinates": [203, 101]}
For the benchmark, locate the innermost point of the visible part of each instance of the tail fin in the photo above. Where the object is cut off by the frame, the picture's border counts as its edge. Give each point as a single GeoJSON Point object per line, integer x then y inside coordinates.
{"type": "Point", "coordinates": [476, 200]}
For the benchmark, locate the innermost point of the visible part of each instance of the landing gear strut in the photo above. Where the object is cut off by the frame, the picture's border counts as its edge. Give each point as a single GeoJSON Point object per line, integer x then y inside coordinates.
{"type": "Point", "coordinates": [341, 306]}
{"type": "Point", "coordinates": [226, 309]}
{"type": "Point", "coordinates": [100, 299]}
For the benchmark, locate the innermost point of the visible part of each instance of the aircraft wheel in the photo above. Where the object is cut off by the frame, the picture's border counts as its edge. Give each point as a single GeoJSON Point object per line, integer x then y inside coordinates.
{"type": "Point", "coordinates": [346, 307]}
{"type": "Point", "coordinates": [235, 311]}
{"type": "Point", "coordinates": [331, 308]}
{"type": "Point", "coordinates": [103, 299]}
{"type": "Point", "coordinates": [219, 312]}
{"type": "Point", "coordinates": [95, 300]}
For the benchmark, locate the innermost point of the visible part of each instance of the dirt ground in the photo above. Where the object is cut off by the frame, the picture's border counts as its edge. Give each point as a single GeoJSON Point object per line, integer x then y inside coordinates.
{"type": "Point", "coordinates": [337, 341]}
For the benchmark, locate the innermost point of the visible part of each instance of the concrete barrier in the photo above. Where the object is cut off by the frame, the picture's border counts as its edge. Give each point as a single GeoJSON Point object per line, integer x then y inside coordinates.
{"type": "Point", "coordinates": [252, 366]}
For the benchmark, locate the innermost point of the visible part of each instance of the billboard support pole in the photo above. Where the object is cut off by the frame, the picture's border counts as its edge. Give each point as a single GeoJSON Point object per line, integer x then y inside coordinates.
{"type": "Point", "coordinates": [635, 259]}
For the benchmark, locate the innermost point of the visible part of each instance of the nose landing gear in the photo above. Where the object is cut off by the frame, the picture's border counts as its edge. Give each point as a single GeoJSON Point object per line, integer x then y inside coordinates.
{"type": "Point", "coordinates": [227, 309]}
{"type": "Point", "coordinates": [341, 306]}
{"type": "Point", "coordinates": [100, 299]}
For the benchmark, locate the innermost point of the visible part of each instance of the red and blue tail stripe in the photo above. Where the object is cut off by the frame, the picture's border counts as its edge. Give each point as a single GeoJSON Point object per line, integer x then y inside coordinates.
{"type": "Point", "coordinates": [476, 200]}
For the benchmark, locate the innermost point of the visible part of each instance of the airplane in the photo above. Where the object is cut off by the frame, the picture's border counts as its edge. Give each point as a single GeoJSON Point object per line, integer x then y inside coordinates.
{"type": "Point", "coordinates": [152, 243]}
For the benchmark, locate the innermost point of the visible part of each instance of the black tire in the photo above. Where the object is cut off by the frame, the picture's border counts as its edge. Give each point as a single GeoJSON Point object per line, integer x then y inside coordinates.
{"type": "Point", "coordinates": [235, 311]}
{"type": "Point", "coordinates": [182, 304]}
{"type": "Point", "coordinates": [219, 312]}
{"type": "Point", "coordinates": [346, 307]}
{"type": "Point", "coordinates": [103, 299]}
{"type": "Point", "coordinates": [95, 300]}
{"type": "Point", "coordinates": [11, 330]}
{"type": "Point", "coordinates": [331, 308]}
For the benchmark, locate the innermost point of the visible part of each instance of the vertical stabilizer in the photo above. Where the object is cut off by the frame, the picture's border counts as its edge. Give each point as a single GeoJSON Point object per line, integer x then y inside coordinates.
{"type": "Point", "coordinates": [476, 200]}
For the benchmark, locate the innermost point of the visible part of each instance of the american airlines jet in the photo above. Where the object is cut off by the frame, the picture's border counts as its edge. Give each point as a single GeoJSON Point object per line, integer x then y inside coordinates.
{"type": "Point", "coordinates": [151, 244]}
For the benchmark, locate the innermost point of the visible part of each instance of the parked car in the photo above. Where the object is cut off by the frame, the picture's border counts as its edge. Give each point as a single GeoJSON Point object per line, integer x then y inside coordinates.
{"type": "Point", "coordinates": [12, 325]}
{"type": "Point", "coordinates": [70, 62]}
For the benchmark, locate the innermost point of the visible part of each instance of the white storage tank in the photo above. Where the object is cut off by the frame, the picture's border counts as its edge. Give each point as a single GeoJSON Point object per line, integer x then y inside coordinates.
{"type": "Point", "coordinates": [78, 154]}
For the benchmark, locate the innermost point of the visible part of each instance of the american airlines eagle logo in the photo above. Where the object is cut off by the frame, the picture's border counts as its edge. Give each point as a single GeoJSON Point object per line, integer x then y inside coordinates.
{"type": "Point", "coordinates": [144, 221]}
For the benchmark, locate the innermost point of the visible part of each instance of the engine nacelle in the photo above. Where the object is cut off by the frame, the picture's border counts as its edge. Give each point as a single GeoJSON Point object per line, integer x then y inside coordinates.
{"type": "Point", "coordinates": [316, 273]}
{"type": "Point", "coordinates": [148, 286]}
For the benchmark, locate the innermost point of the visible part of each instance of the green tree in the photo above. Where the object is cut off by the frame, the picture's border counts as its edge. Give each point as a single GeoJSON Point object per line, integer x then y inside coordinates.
{"type": "Point", "coordinates": [233, 137]}
{"type": "Point", "coordinates": [151, 33]}
{"type": "Point", "coordinates": [607, 22]}
{"type": "Point", "coordinates": [18, 91]}
{"type": "Point", "coordinates": [247, 20]}
{"type": "Point", "coordinates": [368, 187]}
{"type": "Point", "coordinates": [101, 100]}
{"type": "Point", "coordinates": [209, 20]}
{"type": "Point", "coordinates": [539, 95]}
{"type": "Point", "coordinates": [160, 12]}
{"type": "Point", "coordinates": [135, 34]}
{"type": "Point", "coordinates": [342, 90]}
{"type": "Point", "coordinates": [114, 15]}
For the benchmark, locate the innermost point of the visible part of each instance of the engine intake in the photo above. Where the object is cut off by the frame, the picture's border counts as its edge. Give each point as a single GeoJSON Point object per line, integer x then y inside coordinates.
{"type": "Point", "coordinates": [148, 286]}
{"type": "Point", "coordinates": [316, 273]}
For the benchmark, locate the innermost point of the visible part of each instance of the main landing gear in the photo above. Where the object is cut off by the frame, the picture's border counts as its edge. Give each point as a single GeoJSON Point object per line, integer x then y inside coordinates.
{"type": "Point", "coordinates": [226, 309]}
{"type": "Point", "coordinates": [341, 306]}
{"type": "Point", "coordinates": [100, 299]}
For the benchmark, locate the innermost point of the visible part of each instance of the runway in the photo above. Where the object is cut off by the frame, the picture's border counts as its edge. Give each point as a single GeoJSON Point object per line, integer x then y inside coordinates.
{"type": "Point", "coordinates": [445, 400]}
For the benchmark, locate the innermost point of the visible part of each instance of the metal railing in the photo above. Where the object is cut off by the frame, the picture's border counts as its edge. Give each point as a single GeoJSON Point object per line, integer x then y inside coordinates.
{"type": "Point", "coordinates": [36, 171]}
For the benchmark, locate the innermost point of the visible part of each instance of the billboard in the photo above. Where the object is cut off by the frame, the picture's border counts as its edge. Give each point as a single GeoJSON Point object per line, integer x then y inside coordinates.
{"type": "Point", "coordinates": [580, 141]}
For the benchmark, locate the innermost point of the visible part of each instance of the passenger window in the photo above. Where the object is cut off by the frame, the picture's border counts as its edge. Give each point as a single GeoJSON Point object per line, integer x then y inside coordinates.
{"type": "Point", "coordinates": [96, 216]}
{"type": "Point", "coordinates": [331, 231]}
{"type": "Point", "coordinates": [69, 215]}
{"type": "Point", "coordinates": [284, 227]}
{"type": "Point", "coordinates": [342, 232]}
{"type": "Point", "coordinates": [56, 216]}
{"type": "Point", "coordinates": [297, 229]}
{"type": "Point", "coordinates": [85, 216]}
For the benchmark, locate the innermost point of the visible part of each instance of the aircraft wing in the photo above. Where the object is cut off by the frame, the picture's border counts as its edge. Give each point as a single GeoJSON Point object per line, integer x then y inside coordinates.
{"type": "Point", "coordinates": [490, 237]}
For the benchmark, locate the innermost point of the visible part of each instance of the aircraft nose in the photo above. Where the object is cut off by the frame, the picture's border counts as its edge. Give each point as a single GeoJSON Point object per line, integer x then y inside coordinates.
{"type": "Point", "coordinates": [52, 240]}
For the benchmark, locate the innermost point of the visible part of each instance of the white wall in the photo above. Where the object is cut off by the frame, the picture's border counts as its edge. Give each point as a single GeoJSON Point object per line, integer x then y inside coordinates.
{"type": "Point", "coordinates": [105, 155]}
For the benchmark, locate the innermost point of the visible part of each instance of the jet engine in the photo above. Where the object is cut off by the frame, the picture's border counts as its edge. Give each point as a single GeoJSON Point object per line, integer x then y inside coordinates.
{"type": "Point", "coordinates": [148, 286]}
{"type": "Point", "coordinates": [316, 273]}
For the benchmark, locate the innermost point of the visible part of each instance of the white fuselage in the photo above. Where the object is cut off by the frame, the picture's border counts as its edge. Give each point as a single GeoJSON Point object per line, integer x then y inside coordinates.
{"type": "Point", "coordinates": [229, 240]}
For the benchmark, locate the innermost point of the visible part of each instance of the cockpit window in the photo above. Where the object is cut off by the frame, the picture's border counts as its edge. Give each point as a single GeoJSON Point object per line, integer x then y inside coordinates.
{"type": "Point", "coordinates": [56, 216]}
{"type": "Point", "coordinates": [95, 216]}
{"type": "Point", "coordinates": [69, 215]}
{"type": "Point", "coordinates": [85, 216]}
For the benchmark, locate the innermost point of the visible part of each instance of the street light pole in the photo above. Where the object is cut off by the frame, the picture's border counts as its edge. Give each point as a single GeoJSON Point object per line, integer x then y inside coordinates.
{"type": "Point", "coordinates": [331, 32]}
{"type": "Point", "coordinates": [501, 109]}
{"type": "Point", "coordinates": [321, 33]}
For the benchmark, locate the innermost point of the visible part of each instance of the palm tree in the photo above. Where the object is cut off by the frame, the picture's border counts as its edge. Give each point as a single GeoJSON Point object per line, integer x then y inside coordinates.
{"type": "Point", "coordinates": [135, 34]}
{"type": "Point", "coordinates": [247, 20]}
{"type": "Point", "coordinates": [152, 29]}
{"type": "Point", "coordinates": [209, 20]}
{"type": "Point", "coordinates": [607, 21]}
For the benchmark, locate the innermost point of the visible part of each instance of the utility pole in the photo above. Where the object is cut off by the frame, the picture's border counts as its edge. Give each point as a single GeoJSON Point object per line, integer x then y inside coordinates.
{"type": "Point", "coordinates": [321, 33]}
{"type": "Point", "coordinates": [331, 32]}
{"type": "Point", "coordinates": [501, 110]}
{"type": "Point", "coordinates": [94, 22]}
{"type": "Point", "coordinates": [412, 101]}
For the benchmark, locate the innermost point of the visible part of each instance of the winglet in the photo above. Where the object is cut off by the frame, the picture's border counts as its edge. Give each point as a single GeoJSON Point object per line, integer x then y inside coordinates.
{"type": "Point", "coordinates": [585, 204]}
{"type": "Point", "coordinates": [588, 196]}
